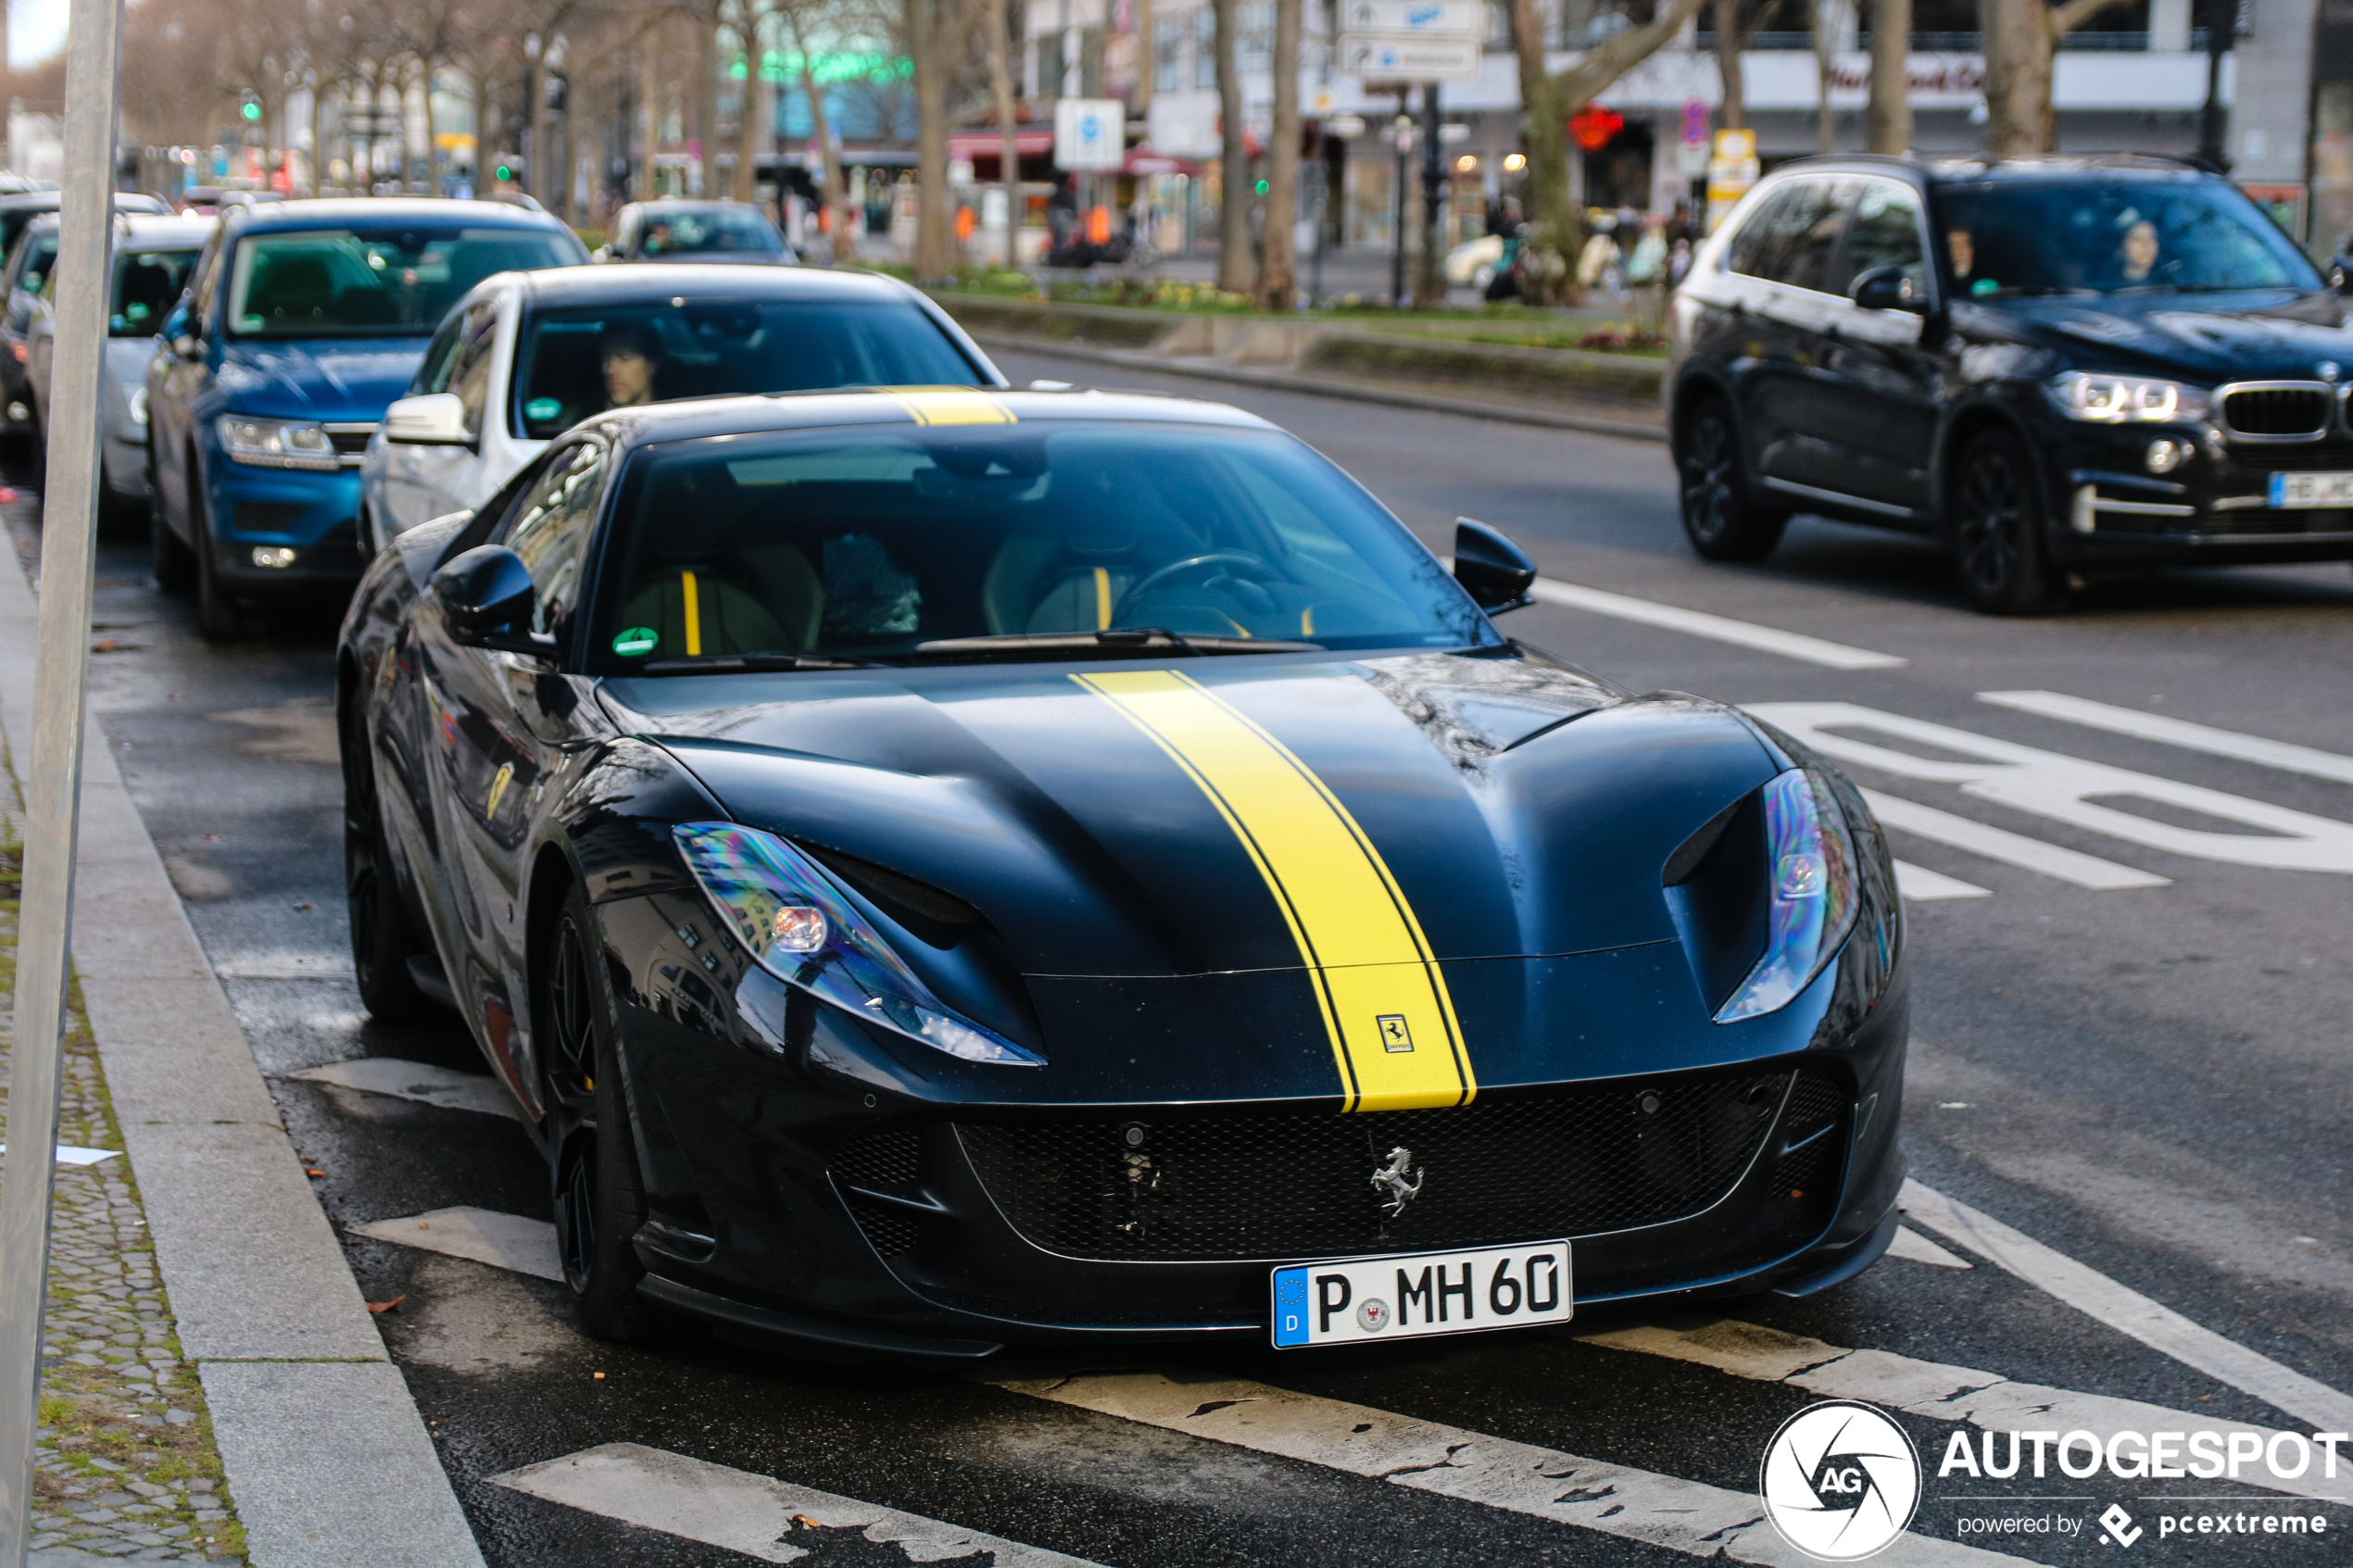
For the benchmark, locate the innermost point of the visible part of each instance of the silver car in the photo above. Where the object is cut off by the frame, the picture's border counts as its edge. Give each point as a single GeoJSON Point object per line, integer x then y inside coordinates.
{"type": "Point", "coordinates": [153, 258]}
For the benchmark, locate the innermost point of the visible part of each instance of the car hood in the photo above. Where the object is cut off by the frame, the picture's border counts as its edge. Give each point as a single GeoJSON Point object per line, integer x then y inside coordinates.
{"type": "Point", "coordinates": [2250, 334]}
{"type": "Point", "coordinates": [325, 378]}
{"type": "Point", "coordinates": [1519, 808]}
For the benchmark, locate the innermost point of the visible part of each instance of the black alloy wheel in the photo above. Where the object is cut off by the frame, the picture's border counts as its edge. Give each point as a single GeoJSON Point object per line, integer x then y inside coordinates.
{"type": "Point", "coordinates": [382, 938]}
{"type": "Point", "coordinates": [1996, 528]}
{"type": "Point", "coordinates": [600, 1195]}
{"type": "Point", "coordinates": [1721, 522]}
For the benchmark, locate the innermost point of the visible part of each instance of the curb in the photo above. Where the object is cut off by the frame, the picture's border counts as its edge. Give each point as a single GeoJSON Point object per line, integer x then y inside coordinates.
{"type": "Point", "coordinates": [325, 1454]}
{"type": "Point", "coordinates": [1284, 381]}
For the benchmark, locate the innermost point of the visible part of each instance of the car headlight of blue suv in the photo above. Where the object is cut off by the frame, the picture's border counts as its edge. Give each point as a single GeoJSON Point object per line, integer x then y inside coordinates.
{"type": "Point", "coordinates": [277, 443]}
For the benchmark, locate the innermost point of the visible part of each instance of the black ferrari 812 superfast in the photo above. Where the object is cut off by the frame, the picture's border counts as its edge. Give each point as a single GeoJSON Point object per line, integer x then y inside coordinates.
{"type": "Point", "coordinates": [944, 869]}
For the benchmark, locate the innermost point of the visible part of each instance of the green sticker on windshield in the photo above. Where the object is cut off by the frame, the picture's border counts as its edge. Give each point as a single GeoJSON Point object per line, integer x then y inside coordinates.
{"type": "Point", "coordinates": [540, 410]}
{"type": "Point", "coordinates": [1983, 285]}
{"type": "Point", "coordinates": [636, 641]}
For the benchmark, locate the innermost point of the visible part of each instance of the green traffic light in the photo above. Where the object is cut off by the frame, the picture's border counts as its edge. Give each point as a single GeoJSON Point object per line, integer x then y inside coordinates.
{"type": "Point", "coordinates": [251, 111]}
{"type": "Point", "coordinates": [504, 173]}
{"type": "Point", "coordinates": [1262, 187]}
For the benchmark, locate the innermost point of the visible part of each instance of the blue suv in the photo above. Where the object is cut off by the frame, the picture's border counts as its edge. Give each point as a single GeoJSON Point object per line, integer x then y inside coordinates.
{"type": "Point", "coordinates": [304, 319]}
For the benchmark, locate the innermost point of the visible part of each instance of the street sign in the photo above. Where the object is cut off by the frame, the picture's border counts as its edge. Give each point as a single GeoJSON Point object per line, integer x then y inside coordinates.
{"type": "Point", "coordinates": [1427, 17]}
{"type": "Point", "coordinates": [1406, 57]}
{"type": "Point", "coordinates": [1695, 122]}
{"type": "Point", "coordinates": [1090, 133]}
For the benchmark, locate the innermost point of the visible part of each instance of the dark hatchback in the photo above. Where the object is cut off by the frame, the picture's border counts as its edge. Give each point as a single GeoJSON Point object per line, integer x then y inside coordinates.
{"type": "Point", "coordinates": [2065, 367]}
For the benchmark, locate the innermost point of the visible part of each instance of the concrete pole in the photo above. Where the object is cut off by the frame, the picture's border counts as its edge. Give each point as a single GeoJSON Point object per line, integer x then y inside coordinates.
{"type": "Point", "coordinates": [61, 666]}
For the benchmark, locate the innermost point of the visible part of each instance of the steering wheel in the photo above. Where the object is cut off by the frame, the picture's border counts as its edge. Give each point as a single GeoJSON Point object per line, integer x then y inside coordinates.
{"type": "Point", "coordinates": [1247, 564]}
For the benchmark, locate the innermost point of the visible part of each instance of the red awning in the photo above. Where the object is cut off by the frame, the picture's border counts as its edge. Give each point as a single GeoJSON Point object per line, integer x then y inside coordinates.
{"type": "Point", "coordinates": [1143, 160]}
{"type": "Point", "coordinates": [990, 143]}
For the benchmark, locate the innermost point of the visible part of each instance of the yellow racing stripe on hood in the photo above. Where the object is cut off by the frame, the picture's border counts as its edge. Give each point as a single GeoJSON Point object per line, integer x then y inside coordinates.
{"type": "Point", "coordinates": [1393, 1032]}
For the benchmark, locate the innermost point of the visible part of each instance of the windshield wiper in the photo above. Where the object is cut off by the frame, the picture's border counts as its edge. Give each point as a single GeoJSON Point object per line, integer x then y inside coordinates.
{"type": "Point", "coordinates": [1116, 640]}
{"type": "Point", "coordinates": [740, 664]}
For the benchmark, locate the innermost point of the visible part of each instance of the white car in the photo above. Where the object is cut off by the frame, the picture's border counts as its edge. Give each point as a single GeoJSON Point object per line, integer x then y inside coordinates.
{"type": "Point", "coordinates": [525, 356]}
{"type": "Point", "coordinates": [1474, 261]}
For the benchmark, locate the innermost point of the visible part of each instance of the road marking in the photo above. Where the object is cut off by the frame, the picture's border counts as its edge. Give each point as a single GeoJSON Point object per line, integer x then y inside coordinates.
{"type": "Point", "coordinates": [419, 1081]}
{"type": "Point", "coordinates": [483, 1235]}
{"type": "Point", "coordinates": [1984, 1400]}
{"type": "Point", "coordinates": [1718, 628]}
{"type": "Point", "coordinates": [2127, 1311]}
{"type": "Point", "coordinates": [2068, 789]}
{"type": "Point", "coordinates": [68, 1154]}
{"type": "Point", "coordinates": [287, 966]}
{"type": "Point", "coordinates": [1909, 1242]}
{"type": "Point", "coordinates": [772, 1521]}
{"type": "Point", "coordinates": [2010, 848]}
{"type": "Point", "coordinates": [1922, 886]}
{"type": "Point", "coordinates": [1612, 1499]}
{"type": "Point", "coordinates": [2178, 732]}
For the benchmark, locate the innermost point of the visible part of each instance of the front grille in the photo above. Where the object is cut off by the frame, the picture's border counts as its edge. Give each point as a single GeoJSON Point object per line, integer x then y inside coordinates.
{"type": "Point", "coordinates": [269, 517]}
{"type": "Point", "coordinates": [885, 1159]}
{"type": "Point", "coordinates": [1562, 1163]}
{"type": "Point", "coordinates": [2277, 411]}
{"type": "Point", "coordinates": [350, 441]}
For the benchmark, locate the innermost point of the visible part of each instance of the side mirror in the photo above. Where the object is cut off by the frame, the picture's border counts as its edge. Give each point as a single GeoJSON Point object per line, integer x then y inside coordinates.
{"type": "Point", "coordinates": [484, 596]}
{"type": "Point", "coordinates": [1496, 572]}
{"type": "Point", "coordinates": [432, 419]}
{"type": "Point", "coordinates": [1888, 288]}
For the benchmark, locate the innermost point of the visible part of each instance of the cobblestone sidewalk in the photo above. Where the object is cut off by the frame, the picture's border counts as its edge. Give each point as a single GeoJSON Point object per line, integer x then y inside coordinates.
{"type": "Point", "coordinates": [128, 1470]}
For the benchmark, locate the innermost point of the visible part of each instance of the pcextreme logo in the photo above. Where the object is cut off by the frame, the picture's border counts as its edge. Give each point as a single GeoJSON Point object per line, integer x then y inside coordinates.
{"type": "Point", "coordinates": [1839, 1481]}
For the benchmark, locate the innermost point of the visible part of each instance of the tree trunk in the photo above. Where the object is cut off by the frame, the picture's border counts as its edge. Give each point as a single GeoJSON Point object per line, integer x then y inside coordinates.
{"type": "Point", "coordinates": [1828, 16]}
{"type": "Point", "coordinates": [1277, 281]}
{"type": "Point", "coordinates": [701, 173]}
{"type": "Point", "coordinates": [2019, 117]}
{"type": "Point", "coordinates": [841, 241]}
{"type": "Point", "coordinates": [649, 110]}
{"type": "Point", "coordinates": [1233, 268]}
{"type": "Point", "coordinates": [1001, 84]}
{"type": "Point", "coordinates": [1731, 30]}
{"type": "Point", "coordinates": [537, 167]}
{"type": "Point", "coordinates": [748, 126]}
{"type": "Point", "coordinates": [930, 37]}
{"type": "Point", "coordinates": [1887, 123]}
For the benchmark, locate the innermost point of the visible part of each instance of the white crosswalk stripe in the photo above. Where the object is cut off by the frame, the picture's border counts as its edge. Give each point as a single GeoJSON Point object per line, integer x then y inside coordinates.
{"type": "Point", "coordinates": [1922, 886]}
{"type": "Point", "coordinates": [756, 1515]}
{"type": "Point", "coordinates": [2010, 848]}
{"type": "Point", "coordinates": [484, 1235]}
{"type": "Point", "coordinates": [1942, 1393]}
{"type": "Point", "coordinates": [1911, 1244]}
{"type": "Point", "coordinates": [417, 1080]}
{"type": "Point", "coordinates": [2283, 755]}
{"type": "Point", "coordinates": [1613, 1499]}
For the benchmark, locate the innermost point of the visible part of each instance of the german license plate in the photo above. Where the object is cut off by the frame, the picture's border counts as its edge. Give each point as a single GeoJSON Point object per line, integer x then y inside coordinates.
{"type": "Point", "coordinates": [2307, 490]}
{"type": "Point", "coordinates": [1408, 1295]}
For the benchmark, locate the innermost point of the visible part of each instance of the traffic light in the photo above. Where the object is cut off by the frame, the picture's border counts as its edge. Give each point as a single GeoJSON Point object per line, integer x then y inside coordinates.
{"type": "Point", "coordinates": [249, 107]}
{"type": "Point", "coordinates": [506, 172]}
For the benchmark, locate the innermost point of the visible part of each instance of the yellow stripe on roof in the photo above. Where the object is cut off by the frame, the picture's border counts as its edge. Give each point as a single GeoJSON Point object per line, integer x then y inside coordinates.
{"type": "Point", "coordinates": [1393, 1032]}
{"type": "Point", "coordinates": [949, 405]}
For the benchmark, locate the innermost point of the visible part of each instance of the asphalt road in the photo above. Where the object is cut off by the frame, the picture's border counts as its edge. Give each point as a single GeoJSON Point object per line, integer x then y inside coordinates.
{"type": "Point", "coordinates": [2149, 1079]}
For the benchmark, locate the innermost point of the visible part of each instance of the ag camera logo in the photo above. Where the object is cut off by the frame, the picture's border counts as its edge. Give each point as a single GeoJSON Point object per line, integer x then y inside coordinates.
{"type": "Point", "coordinates": [1839, 1481]}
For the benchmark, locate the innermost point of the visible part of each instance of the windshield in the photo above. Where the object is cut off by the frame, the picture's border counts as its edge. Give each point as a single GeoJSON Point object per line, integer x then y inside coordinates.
{"type": "Point", "coordinates": [732, 230]}
{"type": "Point", "coordinates": [39, 255]}
{"type": "Point", "coordinates": [146, 285]}
{"type": "Point", "coordinates": [586, 359]}
{"type": "Point", "coordinates": [393, 283]}
{"type": "Point", "coordinates": [2112, 236]}
{"type": "Point", "coordinates": [862, 542]}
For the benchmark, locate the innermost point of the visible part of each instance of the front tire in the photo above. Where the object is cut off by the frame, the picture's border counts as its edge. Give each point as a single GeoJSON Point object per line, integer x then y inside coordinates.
{"type": "Point", "coordinates": [600, 1194]}
{"type": "Point", "coordinates": [382, 937]}
{"type": "Point", "coordinates": [1719, 518]}
{"type": "Point", "coordinates": [1996, 528]}
{"type": "Point", "coordinates": [216, 616]}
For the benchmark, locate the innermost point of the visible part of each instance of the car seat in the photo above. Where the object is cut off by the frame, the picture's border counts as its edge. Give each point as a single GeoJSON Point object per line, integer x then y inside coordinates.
{"type": "Point", "coordinates": [717, 576]}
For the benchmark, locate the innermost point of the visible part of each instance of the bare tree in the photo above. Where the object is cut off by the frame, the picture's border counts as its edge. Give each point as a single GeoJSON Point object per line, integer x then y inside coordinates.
{"type": "Point", "coordinates": [1278, 282]}
{"type": "Point", "coordinates": [1000, 86]}
{"type": "Point", "coordinates": [2021, 36]}
{"type": "Point", "coordinates": [801, 18]}
{"type": "Point", "coordinates": [1887, 122]}
{"type": "Point", "coordinates": [1546, 102]}
{"type": "Point", "coordinates": [1731, 32]}
{"type": "Point", "coordinates": [937, 32]}
{"type": "Point", "coordinates": [1234, 270]}
{"type": "Point", "coordinates": [748, 17]}
{"type": "Point", "coordinates": [1829, 21]}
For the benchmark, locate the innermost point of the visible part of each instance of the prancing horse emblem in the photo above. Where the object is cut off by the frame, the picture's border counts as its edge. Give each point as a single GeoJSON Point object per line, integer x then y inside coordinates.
{"type": "Point", "coordinates": [1390, 1179]}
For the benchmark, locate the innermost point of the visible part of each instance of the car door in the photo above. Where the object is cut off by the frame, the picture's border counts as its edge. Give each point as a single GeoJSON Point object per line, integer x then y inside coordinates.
{"type": "Point", "coordinates": [506, 723]}
{"type": "Point", "coordinates": [1787, 402]}
{"type": "Point", "coordinates": [426, 480]}
{"type": "Point", "coordinates": [178, 376]}
{"type": "Point", "coordinates": [1884, 373]}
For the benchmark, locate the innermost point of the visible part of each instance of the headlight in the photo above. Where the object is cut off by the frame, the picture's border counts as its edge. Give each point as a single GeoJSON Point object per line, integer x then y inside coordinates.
{"type": "Point", "coordinates": [2115, 400]}
{"type": "Point", "coordinates": [138, 405]}
{"type": "Point", "coordinates": [1810, 861]}
{"type": "Point", "coordinates": [276, 444]}
{"type": "Point", "coordinates": [803, 929]}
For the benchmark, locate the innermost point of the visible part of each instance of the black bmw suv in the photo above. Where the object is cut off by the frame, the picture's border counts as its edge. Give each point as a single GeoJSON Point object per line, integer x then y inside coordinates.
{"type": "Point", "coordinates": [2066, 368]}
